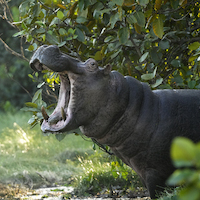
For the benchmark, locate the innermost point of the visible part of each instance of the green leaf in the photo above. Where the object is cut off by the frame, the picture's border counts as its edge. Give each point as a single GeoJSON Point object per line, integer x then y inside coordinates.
{"type": "Point", "coordinates": [143, 2]}
{"type": "Point", "coordinates": [30, 75]}
{"type": "Point", "coordinates": [36, 10]}
{"type": "Point", "coordinates": [115, 54]}
{"type": "Point", "coordinates": [149, 76]}
{"type": "Point", "coordinates": [41, 30]}
{"type": "Point", "coordinates": [191, 192]}
{"type": "Point", "coordinates": [194, 46]}
{"type": "Point", "coordinates": [84, 13]}
{"type": "Point", "coordinates": [174, 3]}
{"type": "Point", "coordinates": [155, 56]}
{"type": "Point", "coordinates": [108, 39]}
{"type": "Point", "coordinates": [157, 4]}
{"type": "Point", "coordinates": [60, 136]}
{"type": "Point", "coordinates": [158, 26]}
{"type": "Point", "coordinates": [81, 20]}
{"type": "Point", "coordinates": [19, 33]}
{"type": "Point", "coordinates": [32, 47]}
{"type": "Point", "coordinates": [55, 21]}
{"type": "Point", "coordinates": [143, 57]}
{"type": "Point", "coordinates": [40, 85]}
{"type": "Point", "coordinates": [32, 120]}
{"type": "Point", "coordinates": [30, 104]}
{"type": "Point", "coordinates": [40, 23]}
{"type": "Point", "coordinates": [183, 152]}
{"type": "Point", "coordinates": [123, 35]}
{"type": "Point", "coordinates": [179, 177]}
{"type": "Point", "coordinates": [157, 83]}
{"type": "Point", "coordinates": [71, 31]}
{"type": "Point", "coordinates": [118, 2]}
{"type": "Point", "coordinates": [62, 31]}
{"type": "Point", "coordinates": [23, 8]}
{"type": "Point", "coordinates": [60, 15]}
{"type": "Point", "coordinates": [37, 95]}
{"type": "Point", "coordinates": [131, 19]}
{"type": "Point", "coordinates": [192, 58]}
{"type": "Point", "coordinates": [192, 84]}
{"type": "Point", "coordinates": [176, 63]}
{"type": "Point", "coordinates": [52, 39]}
{"type": "Point", "coordinates": [114, 18]}
{"type": "Point", "coordinates": [164, 44]}
{"type": "Point", "coordinates": [98, 55]}
{"type": "Point", "coordinates": [140, 18]}
{"type": "Point", "coordinates": [15, 12]}
{"type": "Point", "coordinates": [62, 44]}
{"type": "Point", "coordinates": [81, 5]}
{"type": "Point", "coordinates": [81, 36]}
{"type": "Point", "coordinates": [178, 79]}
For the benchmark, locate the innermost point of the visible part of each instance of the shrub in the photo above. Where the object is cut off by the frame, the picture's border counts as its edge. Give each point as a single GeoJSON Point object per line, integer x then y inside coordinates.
{"type": "Point", "coordinates": [186, 157]}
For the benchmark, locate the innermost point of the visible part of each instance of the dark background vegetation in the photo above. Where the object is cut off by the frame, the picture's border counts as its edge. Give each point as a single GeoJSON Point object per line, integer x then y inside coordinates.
{"type": "Point", "coordinates": [16, 87]}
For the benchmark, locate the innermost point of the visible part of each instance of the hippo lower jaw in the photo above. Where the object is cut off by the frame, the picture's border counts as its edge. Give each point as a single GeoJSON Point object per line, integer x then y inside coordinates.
{"type": "Point", "coordinates": [61, 119]}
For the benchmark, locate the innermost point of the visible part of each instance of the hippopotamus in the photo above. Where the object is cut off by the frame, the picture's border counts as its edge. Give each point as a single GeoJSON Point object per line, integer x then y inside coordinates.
{"type": "Point", "coordinates": [138, 124]}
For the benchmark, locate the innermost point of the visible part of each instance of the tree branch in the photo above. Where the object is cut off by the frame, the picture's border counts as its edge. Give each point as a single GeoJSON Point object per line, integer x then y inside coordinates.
{"type": "Point", "coordinates": [13, 52]}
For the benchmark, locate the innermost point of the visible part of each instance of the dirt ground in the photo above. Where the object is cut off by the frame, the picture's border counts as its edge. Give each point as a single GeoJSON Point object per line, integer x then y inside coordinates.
{"type": "Point", "coordinates": [9, 192]}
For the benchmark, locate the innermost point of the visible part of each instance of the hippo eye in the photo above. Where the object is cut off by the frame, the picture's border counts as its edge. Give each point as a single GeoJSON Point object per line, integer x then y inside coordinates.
{"type": "Point", "coordinates": [93, 65]}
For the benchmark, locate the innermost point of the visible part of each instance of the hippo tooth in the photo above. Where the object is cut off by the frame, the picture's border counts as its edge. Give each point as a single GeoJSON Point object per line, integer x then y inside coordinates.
{"type": "Point", "coordinates": [44, 114]}
{"type": "Point", "coordinates": [63, 114]}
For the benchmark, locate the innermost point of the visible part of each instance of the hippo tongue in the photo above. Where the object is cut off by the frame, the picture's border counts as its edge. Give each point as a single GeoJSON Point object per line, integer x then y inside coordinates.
{"type": "Point", "coordinates": [61, 118]}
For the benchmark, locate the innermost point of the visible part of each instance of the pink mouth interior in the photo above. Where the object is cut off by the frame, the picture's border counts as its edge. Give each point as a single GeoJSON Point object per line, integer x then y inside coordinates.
{"type": "Point", "coordinates": [61, 116]}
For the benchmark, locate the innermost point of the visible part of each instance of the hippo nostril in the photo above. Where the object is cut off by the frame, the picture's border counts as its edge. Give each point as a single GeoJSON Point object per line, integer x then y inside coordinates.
{"type": "Point", "coordinates": [40, 67]}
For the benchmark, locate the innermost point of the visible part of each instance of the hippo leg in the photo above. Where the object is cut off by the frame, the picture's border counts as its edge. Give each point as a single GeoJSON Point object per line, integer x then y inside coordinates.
{"type": "Point", "coordinates": [154, 183]}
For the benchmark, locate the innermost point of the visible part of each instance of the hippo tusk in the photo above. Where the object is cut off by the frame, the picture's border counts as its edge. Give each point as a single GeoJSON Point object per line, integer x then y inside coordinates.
{"type": "Point", "coordinates": [44, 114]}
{"type": "Point", "coordinates": [63, 114]}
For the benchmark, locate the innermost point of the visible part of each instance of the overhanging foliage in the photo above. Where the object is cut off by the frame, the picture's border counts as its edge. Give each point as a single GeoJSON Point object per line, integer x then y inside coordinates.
{"type": "Point", "coordinates": [153, 41]}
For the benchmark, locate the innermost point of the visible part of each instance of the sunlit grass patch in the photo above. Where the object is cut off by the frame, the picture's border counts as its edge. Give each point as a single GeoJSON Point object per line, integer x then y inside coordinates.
{"type": "Point", "coordinates": [29, 158]}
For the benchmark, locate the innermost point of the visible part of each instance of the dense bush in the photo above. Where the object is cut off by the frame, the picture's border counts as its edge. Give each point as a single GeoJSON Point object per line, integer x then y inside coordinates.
{"type": "Point", "coordinates": [153, 41]}
{"type": "Point", "coordinates": [186, 157]}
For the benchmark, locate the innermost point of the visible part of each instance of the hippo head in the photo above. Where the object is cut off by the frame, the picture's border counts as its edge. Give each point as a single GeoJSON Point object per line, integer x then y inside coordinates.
{"type": "Point", "coordinates": [82, 85]}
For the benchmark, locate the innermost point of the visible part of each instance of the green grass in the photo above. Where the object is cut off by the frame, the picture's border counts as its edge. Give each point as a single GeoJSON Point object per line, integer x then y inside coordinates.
{"type": "Point", "coordinates": [29, 158]}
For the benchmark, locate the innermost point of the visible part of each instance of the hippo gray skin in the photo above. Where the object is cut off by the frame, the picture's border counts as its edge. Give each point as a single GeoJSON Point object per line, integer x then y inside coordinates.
{"type": "Point", "coordinates": [136, 123]}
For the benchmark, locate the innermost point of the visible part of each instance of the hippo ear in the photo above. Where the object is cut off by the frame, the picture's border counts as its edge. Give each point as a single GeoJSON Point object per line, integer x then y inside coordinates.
{"type": "Point", "coordinates": [107, 69]}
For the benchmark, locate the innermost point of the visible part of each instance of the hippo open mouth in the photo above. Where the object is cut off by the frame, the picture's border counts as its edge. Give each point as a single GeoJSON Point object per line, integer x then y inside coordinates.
{"type": "Point", "coordinates": [50, 58]}
{"type": "Point", "coordinates": [61, 116]}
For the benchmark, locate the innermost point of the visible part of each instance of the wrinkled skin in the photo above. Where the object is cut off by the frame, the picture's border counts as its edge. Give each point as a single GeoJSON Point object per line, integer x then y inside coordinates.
{"type": "Point", "coordinates": [138, 124]}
